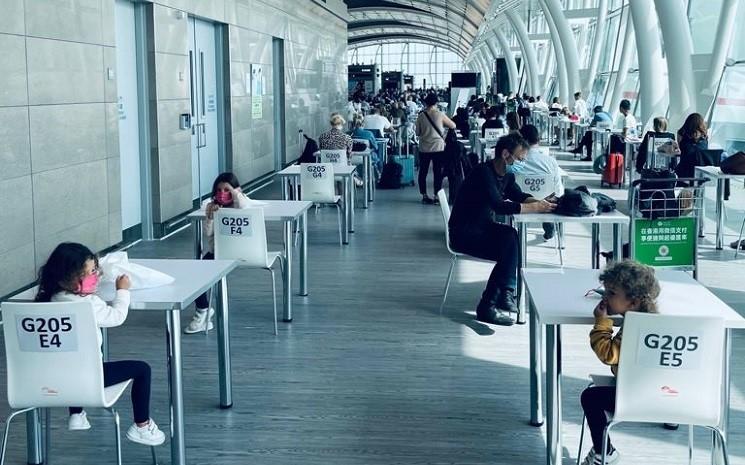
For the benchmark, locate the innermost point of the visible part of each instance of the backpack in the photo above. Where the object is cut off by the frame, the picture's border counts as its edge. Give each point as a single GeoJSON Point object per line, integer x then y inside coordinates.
{"type": "Point", "coordinates": [577, 202]}
{"type": "Point", "coordinates": [605, 203]}
{"type": "Point", "coordinates": [390, 178]}
{"type": "Point", "coordinates": [309, 151]}
{"type": "Point", "coordinates": [657, 194]}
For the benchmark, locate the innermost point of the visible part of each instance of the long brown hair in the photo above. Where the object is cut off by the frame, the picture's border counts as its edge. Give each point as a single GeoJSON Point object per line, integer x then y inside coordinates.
{"type": "Point", "coordinates": [694, 127]}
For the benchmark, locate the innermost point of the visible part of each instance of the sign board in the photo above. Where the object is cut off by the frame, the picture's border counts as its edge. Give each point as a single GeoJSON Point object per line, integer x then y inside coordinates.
{"type": "Point", "coordinates": [236, 226]}
{"type": "Point", "coordinates": [257, 91]}
{"type": "Point", "coordinates": [492, 134]}
{"type": "Point", "coordinates": [659, 152]}
{"type": "Point", "coordinates": [317, 171]}
{"type": "Point", "coordinates": [38, 333]}
{"type": "Point", "coordinates": [665, 242]}
{"type": "Point", "coordinates": [660, 349]}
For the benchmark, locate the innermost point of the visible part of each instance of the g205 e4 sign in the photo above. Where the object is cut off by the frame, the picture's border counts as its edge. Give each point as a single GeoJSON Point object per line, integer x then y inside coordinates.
{"type": "Point", "coordinates": [41, 333]}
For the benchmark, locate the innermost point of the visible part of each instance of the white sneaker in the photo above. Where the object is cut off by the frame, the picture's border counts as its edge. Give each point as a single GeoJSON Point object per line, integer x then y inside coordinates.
{"type": "Point", "coordinates": [148, 435]}
{"type": "Point", "coordinates": [199, 321]}
{"type": "Point", "coordinates": [610, 459]}
{"type": "Point", "coordinates": [78, 422]}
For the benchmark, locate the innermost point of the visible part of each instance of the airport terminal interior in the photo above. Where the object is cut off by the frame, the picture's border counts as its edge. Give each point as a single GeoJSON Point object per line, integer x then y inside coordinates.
{"type": "Point", "coordinates": [372, 232]}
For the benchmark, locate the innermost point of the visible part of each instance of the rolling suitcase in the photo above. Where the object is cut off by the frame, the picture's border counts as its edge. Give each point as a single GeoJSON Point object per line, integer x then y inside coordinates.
{"type": "Point", "coordinates": [613, 171]}
{"type": "Point", "coordinates": [407, 163]}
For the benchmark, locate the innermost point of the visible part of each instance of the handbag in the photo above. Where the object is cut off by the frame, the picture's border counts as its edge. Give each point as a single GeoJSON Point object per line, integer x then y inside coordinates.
{"type": "Point", "coordinates": [734, 164]}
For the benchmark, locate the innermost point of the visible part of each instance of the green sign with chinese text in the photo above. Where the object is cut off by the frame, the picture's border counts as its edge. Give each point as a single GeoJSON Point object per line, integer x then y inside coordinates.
{"type": "Point", "coordinates": [665, 242]}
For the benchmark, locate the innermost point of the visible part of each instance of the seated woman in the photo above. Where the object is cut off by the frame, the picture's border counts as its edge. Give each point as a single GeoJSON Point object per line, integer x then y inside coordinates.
{"type": "Point", "coordinates": [359, 132]}
{"type": "Point", "coordinates": [336, 139]}
{"type": "Point", "coordinates": [693, 138]}
{"type": "Point", "coordinates": [659, 132]}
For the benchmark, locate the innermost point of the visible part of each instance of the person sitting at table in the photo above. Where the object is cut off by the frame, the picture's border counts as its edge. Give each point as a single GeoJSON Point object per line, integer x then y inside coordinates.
{"type": "Point", "coordinates": [659, 131]}
{"type": "Point", "coordinates": [599, 118]}
{"type": "Point", "coordinates": [359, 132]}
{"type": "Point", "coordinates": [693, 137]}
{"type": "Point", "coordinates": [492, 121]}
{"type": "Point", "coordinates": [513, 122]}
{"type": "Point", "coordinates": [461, 122]}
{"type": "Point", "coordinates": [71, 274]}
{"type": "Point", "coordinates": [629, 287]}
{"type": "Point", "coordinates": [539, 163]}
{"type": "Point", "coordinates": [490, 190]}
{"type": "Point", "coordinates": [226, 193]}
{"type": "Point", "coordinates": [377, 123]}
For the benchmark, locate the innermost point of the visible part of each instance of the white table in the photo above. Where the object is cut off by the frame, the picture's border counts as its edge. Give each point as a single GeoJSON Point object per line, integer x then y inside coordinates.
{"type": "Point", "coordinates": [192, 278]}
{"type": "Point", "coordinates": [286, 211]}
{"type": "Point", "coordinates": [364, 159]}
{"type": "Point", "coordinates": [714, 172]}
{"type": "Point", "coordinates": [564, 125]}
{"type": "Point", "coordinates": [579, 132]}
{"type": "Point", "coordinates": [680, 295]}
{"type": "Point", "coordinates": [292, 173]}
{"type": "Point", "coordinates": [614, 218]}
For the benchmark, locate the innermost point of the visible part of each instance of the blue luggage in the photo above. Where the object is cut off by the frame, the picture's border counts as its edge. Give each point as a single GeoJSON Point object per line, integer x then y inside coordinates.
{"type": "Point", "coordinates": [407, 162]}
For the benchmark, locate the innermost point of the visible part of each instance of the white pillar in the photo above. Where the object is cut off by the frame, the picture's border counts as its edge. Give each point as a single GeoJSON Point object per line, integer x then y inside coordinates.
{"type": "Point", "coordinates": [482, 69]}
{"type": "Point", "coordinates": [548, 66]}
{"type": "Point", "coordinates": [676, 34]}
{"type": "Point", "coordinates": [722, 43]}
{"type": "Point", "coordinates": [598, 44]}
{"type": "Point", "coordinates": [649, 54]}
{"type": "Point", "coordinates": [561, 66]}
{"type": "Point", "coordinates": [528, 51]}
{"type": "Point", "coordinates": [623, 67]}
{"type": "Point", "coordinates": [567, 43]}
{"type": "Point", "coordinates": [509, 57]}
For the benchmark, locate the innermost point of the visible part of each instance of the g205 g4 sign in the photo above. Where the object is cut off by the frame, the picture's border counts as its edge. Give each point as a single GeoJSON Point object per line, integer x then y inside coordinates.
{"type": "Point", "coordinates": [38, 333]}
{"type": "Point", "coordinates": [319, 172]}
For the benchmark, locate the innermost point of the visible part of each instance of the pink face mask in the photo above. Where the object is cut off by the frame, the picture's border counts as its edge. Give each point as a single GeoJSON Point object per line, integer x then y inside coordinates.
{"type": "Point", "coordinates": [88, 285]}
{"type": "Point", "coordinates": [223, 198]}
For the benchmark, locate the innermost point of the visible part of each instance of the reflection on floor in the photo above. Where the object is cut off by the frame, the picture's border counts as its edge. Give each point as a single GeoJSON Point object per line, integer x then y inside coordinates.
{"type": "Point", "coordinates": [369, 372]}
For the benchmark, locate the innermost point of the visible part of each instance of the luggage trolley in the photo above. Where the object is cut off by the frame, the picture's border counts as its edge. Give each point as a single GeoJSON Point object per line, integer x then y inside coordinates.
{"type": "Point", "coordinates": [664, 223]}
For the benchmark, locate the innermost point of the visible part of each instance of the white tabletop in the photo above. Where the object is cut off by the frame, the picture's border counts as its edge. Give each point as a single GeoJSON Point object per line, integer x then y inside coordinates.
{"type": "Point", "coordinates": [339, 170]}
{"type": "Point", "coordinates": [274, 210]}
{"type": "Point", "coordinates": [680, 295]}
{"type": "Point", "coordinates": [715, 172]}
{"type": "Point", "coordinates": [192, 278]}
{"type": "Point", "coordinates": [614, 217]}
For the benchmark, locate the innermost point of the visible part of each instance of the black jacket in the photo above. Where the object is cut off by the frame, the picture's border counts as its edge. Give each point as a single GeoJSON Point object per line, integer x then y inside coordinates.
{"type": "Point", "coordinates": [689, 155]}
{"type": "Point", "coordinates": [491, 124]}
{"type": "Point", "coordinates": [483, 195]}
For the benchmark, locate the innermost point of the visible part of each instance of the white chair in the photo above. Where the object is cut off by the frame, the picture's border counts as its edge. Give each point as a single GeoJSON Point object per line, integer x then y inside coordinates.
{"type": "Point", "coordinates": [445, 208]}
{"type": "Point", "coordinates": [240, 234]}
{"type": "Point", "coordinates": [540, 187]}
{"type": "Point", "coordinates": [317, 186]}
{"type": "Point", "coordinates": [336, 157]}
{"type": "Point", "coordinates": [670, 371]}
{"type": "Point", "coordinates": [44, 344]}
{"type": "Point", "coordinates": [492, 135]}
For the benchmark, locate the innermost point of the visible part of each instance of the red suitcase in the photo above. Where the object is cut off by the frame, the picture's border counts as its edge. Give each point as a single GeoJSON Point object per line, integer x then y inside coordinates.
{"type": "Point", "coordinates": [613, 172]}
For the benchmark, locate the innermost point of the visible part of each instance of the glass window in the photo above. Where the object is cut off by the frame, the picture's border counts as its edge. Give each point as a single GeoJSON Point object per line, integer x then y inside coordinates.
{"type": "Point", "coordinates": [728, 117]}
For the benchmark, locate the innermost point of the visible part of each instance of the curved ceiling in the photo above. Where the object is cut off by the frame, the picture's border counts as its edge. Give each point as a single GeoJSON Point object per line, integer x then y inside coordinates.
{"type": "Point", "coordinates": [452, 24]}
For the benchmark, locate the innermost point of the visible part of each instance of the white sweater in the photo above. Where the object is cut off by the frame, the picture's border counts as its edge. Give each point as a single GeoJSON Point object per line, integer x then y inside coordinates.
{"type": "Point", "coordinates": [208, 225]}
{"type": "Point", "coordinates": [107, 316]}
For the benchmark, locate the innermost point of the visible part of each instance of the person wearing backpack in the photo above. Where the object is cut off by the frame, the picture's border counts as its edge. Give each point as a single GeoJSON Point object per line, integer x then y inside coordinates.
{"type": "Point", "coordinates": [430, 128]}
{"type": "Point", "coordinates": [490, 190]}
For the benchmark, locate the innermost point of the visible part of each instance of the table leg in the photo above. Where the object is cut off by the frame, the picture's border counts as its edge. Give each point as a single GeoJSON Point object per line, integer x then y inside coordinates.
{"type": "Point", "coordinates": [34, 449]}
{"type": "Point", "coordinates": [716, 450]}
{"type": "Point", "coordinates": [352, 194]}
{"type": "Point", "coordinates": [287, 282]}
{"type": "Point", "coordinates": [617, 243]}
{"type": "Point", "coordinates": [345, 216]}
{"type": "Point", "coordinates": [365, 182]}
{"type": "Point", "coordinates": [522, 231]}
{"type": "Point", "coordinates": [196, 225]}
{"type": "Point", "coordinates": [720, 213]}
{"type": "Point", "coordinates": [553, 395]}
{"type": "Point", "coordinates": [285, 188]}
{"type": "Point", "coordinates": [223, 345]}
{"type": "Point", "coordinates": [595, 246]}
{"type": "Point", "coordinates": [536, 369]}
{"type": "Point", "coordinates": [175, 387]}
{"type": "Point", "coordinates": [370, 178]}
{"type": "Point", "coordinates": [304, 255]}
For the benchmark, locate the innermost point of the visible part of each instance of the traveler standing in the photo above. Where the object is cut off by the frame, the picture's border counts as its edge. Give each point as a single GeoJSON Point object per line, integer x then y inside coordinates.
{"type": "Point", "coordinates": [430, 128]}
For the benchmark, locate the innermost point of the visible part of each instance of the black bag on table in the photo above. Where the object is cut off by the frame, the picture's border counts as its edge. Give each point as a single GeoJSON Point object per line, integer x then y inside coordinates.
{"type": "Point", "coordinates": [605, 203]}
{"type": "Point", "coordinates": [734, 164]}
{"type": "Point", "coordinates": [577, 202]}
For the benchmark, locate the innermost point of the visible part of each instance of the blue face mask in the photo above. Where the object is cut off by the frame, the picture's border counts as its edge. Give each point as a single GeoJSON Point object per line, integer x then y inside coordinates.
{"type": "Point", "coordinates": [516, 166]}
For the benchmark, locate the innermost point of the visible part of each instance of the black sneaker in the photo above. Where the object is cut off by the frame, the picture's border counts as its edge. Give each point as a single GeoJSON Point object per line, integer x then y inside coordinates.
{"type": "Point", "coordinates": [547, 236]}
{"type": "Point", "coordinates": [494, 317]}
{"type": "Point", "coordinates": [426, 200]}
{"type": "Point", "coordinates": [506, 301]}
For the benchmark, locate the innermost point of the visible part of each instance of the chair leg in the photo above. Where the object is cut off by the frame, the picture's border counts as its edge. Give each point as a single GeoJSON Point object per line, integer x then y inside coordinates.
{"type": "Point", "coordinates": [210, 304]}
{"type": "Point", "coordinates": [274, 300]}
{"type": "Point", "coordinates": [339, 222]}
{"type": "Point", "coordinates": [690, 444]}
{"type": "Point", "coordinates": [47, 434]}
{"type": "Point", "coordinates": [581, 439]}
{"type": "Point", "coordinates": [7, 431]}
{"type": "Point", "coordinates": [155, 457]}
{"type": "Point", "coordinates": [725, 453]}
{"type": "Point", "coordinates": [117, 428]}
{"type": "Point", "coordinates": [559, 240]}
{"type": "Point", "coordinates": [605, 445]}
{"type": "Point", "coordinates": [453, 260]}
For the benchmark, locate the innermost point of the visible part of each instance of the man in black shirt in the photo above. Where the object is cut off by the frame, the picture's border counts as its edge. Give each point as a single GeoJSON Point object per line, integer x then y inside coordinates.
{"type": "Point", "coordinates": [493, 121]}
{"type": "Point", "coordinates": [488, 191]}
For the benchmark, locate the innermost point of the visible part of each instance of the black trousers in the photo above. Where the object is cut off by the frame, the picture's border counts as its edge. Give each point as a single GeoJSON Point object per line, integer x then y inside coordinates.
{"type": "Point", "coordinates": [139, 371]}
{"type": "Point", "coordinates": [203, 301]}
{"type": "Point", "coordinates": [495, 242]}
{"type": "Point", "coordinates": [597, 400]}
{"type": "Point", "coordinates": [424, 159]}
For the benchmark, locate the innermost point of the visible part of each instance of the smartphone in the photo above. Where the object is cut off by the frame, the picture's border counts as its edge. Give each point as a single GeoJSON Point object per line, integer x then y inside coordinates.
{"type": "Point", "coordinates": [550, 197]}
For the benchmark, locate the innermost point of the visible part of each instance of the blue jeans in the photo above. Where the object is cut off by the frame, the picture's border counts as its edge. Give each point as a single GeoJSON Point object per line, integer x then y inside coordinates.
{"type": "Point", "coordinates": [495, 242]}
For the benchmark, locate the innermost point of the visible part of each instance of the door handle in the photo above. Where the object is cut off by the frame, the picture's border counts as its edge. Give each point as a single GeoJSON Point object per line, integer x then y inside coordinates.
{"type": "Point", "coordinates": [201, 136]}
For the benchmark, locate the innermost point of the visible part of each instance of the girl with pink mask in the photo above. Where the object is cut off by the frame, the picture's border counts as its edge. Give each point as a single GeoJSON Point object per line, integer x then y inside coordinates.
{"type": "Point", "coordinates": [71, 274]}
{"type": "Point", "coordinates": [226, 193]}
